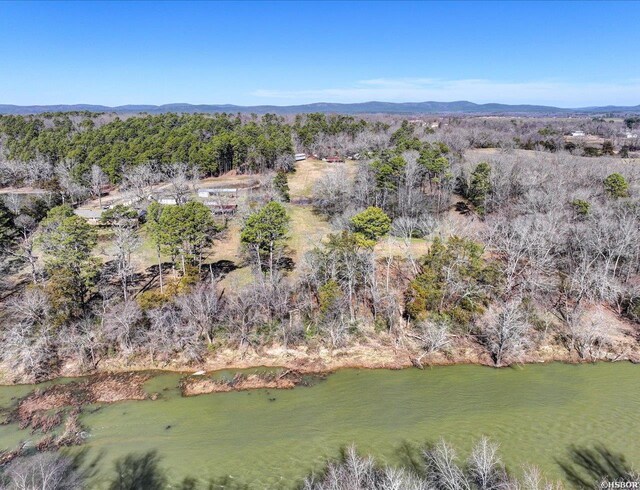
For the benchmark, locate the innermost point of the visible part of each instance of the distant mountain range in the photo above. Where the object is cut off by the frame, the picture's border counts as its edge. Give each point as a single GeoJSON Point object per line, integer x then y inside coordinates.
{"type": "Point", "coordinates": [458, 107]}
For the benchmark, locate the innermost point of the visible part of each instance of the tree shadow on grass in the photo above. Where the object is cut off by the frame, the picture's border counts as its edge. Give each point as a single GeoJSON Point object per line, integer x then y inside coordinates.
{"type": "Point", "coordinates": [219, 269]}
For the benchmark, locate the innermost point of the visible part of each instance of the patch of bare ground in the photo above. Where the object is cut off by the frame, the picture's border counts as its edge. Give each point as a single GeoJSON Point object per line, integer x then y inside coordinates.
{"type": "Point", "coordinates": [193, 385]}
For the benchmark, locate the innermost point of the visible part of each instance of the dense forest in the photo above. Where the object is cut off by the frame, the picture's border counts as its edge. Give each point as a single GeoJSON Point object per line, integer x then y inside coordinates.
{"type": "Point", "coordinates": [212, 144]}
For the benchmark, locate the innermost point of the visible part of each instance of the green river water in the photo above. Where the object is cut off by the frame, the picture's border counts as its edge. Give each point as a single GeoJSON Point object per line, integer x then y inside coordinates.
{"type": "Point", "coordinates": [535, 412]}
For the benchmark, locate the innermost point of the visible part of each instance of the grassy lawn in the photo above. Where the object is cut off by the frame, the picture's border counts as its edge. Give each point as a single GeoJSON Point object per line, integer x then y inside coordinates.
{"type": "Point", "coordinates": [392, 247]}
{"type": "Point", "coordinates": [308, 172]}
{"type": "Point", "coordinates": [144, 256]}
{"type": "Point", "coordinates": [307, 230]}
{"type": "Point", "coordinates": [227, 247]}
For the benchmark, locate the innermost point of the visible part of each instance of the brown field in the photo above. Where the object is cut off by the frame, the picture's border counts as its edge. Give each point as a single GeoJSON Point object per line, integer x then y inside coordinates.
{"type": "Point", "coordinates": [308, 172]}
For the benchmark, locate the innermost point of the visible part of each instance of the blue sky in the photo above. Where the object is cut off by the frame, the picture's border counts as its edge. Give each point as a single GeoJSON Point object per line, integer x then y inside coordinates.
{"type": "Point", "coordinates": [566, 54]}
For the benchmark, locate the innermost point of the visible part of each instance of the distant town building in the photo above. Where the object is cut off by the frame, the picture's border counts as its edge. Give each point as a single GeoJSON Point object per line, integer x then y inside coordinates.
{"type": "Point", "coordinates": [226, 191]}
{"type": "Point", "coordinates": [130, 201]}
{"type": "Point", "coordinates": [170, 201]}
{"type": "Point", "coordinates": [579, 138]}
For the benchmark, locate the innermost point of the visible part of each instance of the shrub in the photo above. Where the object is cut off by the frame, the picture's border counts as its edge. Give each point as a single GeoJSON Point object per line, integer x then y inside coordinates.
{"type": "Point", "coordinates": [454, 281]}
{"type": "Point", "coordinates": [616, 186]}
{"type": "Point", "coordinates": [371, 224]}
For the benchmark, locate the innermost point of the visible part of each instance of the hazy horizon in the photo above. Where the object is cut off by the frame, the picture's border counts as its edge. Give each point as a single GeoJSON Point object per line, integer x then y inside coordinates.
{"type": "Point", "coordinates": [284, 105]}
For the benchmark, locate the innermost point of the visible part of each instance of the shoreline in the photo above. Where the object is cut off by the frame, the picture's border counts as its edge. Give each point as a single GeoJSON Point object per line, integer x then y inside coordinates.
{"type": "Point", "coordinates": [52, 409]}
{"type": "Point", "coordinates": [321, 362]}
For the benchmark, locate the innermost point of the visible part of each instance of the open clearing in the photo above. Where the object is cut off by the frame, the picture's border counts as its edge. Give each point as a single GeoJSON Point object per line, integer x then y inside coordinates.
{"type": "Point", "coordinates": [309, 171]}
{"type": "Point", "coordinates": [307, 228]}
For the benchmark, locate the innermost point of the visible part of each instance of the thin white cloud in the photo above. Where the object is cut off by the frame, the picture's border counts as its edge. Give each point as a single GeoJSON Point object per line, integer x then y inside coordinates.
{"type": "Point", "coordinates": [550, 92]}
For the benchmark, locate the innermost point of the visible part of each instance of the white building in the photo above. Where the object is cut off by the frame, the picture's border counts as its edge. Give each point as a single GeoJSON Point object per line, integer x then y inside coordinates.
{"type": "Point", "coordinates": [227, 191]}
{"type": "Point", "coordinates": [300, 156]}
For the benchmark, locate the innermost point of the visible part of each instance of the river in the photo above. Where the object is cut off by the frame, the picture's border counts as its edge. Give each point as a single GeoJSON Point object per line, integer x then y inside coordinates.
{"type": "Point", "coordinates": [259, 437]}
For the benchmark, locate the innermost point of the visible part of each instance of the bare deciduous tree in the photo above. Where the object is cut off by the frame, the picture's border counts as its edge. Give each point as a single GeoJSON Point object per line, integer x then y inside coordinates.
{"type": "Point", "coordinates": [433, 335]}
{"type": "Point", "coordinates": [182, 181]}
{"type": "Point", "coordinates": [29, 341]}
{"type": "Point", "coordinates": [534, 480]}
{"type": "Point", "coordinates": [122, 326]}
{"type": "Point", "coordinates": [24, 250]}
{"type": "Point", "coordinates": [439, 469]}
{"type": "Point", "coordinates": [126, 240]}
{"type": "Point", "coordinates": [43, 471]}
{"type": "Point", "coordinates": [504, 331]}
{"type": "Point", "coordinates": [486, 469]}
{"type": "Point", "coordinates": [443, 470]}
{"type": "Point", "coordinates": [588, 335]}
{"type": "Point", "coordinates": [139, 180]}
{"type": "Point", "coordinates": [70, 187]}
{"type": "Point", "coordinates": [169, 335]}
{"type": "Point", "coordinates": [98, 180]}
{"type": "Point", "coordinates": [332, 193]}
{"type": "Point", "coordinates": [203, 308]}
{"type": "Point", "coordinates": [85, 339]}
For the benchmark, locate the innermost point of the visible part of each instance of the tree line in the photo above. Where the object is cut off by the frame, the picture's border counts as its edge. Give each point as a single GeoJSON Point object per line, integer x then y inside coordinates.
{"type": "Point", "coordinates": [432, 466]}
{"type": "Point", "coordinates": [36, 148]}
